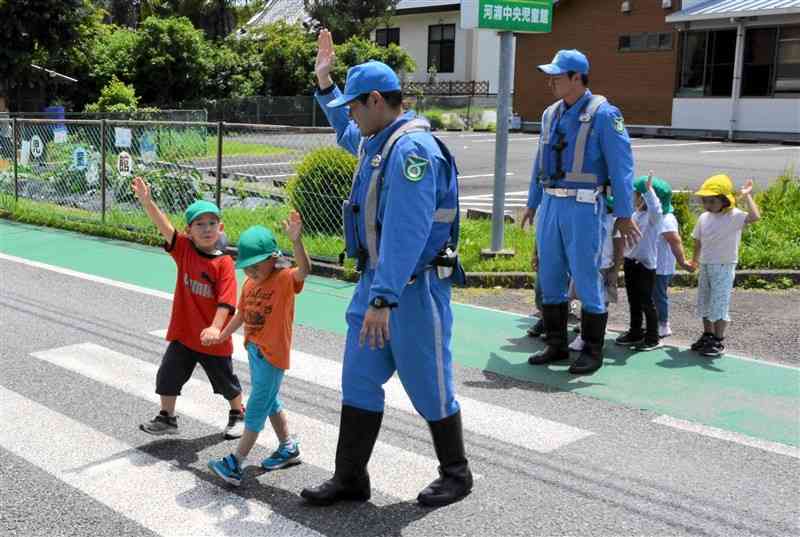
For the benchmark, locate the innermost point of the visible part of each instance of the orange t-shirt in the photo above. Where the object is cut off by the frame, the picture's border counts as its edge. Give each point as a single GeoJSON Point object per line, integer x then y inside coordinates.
{"type": "Point", "coordinates": [268, 312]}
{"type": "Point", "coordinates": [205, 282]}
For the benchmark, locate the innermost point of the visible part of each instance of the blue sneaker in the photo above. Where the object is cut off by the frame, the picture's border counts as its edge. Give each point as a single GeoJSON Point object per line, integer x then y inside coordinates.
{"type": "Point", "coordinates": [282, 457]}
{"type": "Point", "coordinates": [228, 469]}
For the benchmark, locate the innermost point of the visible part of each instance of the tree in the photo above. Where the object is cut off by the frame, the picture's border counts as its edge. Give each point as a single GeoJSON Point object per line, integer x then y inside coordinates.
{"type": "Point", "coordinates": [172, 61]}
{"type": "Point", "coordinates": [217, 18]}
{"type": "Point", "coordinates": [29, 29]}
{"type": "Point", "coordinates": [348, 18]}
{"type": "Point", "coordinates": [115, 97]}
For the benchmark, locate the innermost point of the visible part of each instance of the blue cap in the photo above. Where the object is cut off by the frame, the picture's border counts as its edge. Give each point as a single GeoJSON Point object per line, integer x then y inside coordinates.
{"type": "Point", "coordinates": [566, 60]}
{"type": "Point", "coordinates": [364, 78]}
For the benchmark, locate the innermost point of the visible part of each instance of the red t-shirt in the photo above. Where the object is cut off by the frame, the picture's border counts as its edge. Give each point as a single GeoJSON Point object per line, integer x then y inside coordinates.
{"type": "Point", "coordinates": [205, 282]}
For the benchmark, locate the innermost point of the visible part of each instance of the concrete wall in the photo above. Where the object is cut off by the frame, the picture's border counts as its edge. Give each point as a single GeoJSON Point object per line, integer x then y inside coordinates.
{"type": "Point", "coordinates": [754, 114]}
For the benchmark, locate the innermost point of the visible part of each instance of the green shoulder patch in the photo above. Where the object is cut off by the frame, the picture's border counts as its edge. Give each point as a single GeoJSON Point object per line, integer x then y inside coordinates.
{"type": "Point", "coordinates": [619, 124]}
{"type": "Point", "coordinates": [414, 167]}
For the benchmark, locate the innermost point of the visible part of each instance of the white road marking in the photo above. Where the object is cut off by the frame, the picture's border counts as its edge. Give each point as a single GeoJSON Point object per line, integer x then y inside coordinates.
{"type": "Point", "coordinates": [721, 434]}
{"type": "Point", "coordinates": [152, 492]}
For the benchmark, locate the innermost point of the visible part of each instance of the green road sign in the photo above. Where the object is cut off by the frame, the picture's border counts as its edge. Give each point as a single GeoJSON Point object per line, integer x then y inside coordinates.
{"type": "Point", "coordinates": [531, 16]}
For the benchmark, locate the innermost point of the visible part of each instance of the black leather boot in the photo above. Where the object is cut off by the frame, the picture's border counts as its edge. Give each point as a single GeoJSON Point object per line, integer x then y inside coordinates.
{"type": "Point", "coordinates": [358, 431]}
{"type": "Point", "coordinates": [555, 326]}
{"type": "Point", "coordinates": [455, 478]}
{"type": "Point", "coordinates": [593, 332]}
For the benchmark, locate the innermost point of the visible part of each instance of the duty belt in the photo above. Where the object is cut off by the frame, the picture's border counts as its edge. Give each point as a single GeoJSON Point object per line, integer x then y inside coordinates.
{"type": "Point", "coordinates": [572, 192]}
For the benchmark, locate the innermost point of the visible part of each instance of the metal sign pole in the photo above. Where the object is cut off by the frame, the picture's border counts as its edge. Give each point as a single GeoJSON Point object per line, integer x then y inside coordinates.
{"type": "Point", "coordinates": [501, 145]}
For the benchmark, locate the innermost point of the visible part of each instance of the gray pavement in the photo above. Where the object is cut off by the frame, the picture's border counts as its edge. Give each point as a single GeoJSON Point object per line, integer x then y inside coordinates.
{"type": "Point", "coordinates": [629, 477]}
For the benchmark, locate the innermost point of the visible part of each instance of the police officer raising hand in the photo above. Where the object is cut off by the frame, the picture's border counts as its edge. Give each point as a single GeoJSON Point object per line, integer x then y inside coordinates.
{"type": "Point", "coordinates": [401, 227]}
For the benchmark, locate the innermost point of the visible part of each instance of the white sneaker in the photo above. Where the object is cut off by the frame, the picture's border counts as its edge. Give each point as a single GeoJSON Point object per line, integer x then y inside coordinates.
{"type": "Point", "coordinates": [577, 344]}
{"type": "Point", "coordinates": [235, 427]}
{"type": "Point", "coordinates": [664, 330]}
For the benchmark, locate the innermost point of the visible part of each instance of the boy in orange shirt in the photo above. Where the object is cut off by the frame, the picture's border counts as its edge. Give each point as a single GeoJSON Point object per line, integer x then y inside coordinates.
{"type": "Point", "coordinates": [205, 297]}
{"type": "Point", "coordinates": [266, 308]}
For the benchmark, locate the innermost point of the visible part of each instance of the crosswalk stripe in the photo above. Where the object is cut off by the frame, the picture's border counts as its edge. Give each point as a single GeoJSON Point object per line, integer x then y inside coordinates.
{"type": "Point", "coordinates": [721, 434]}
{"type": "Point", "coordinates": [500, 423]}
{"type": "Point", "coordinates": [145, 489]}
{"type": "Point", "coordinates": [403, 473]}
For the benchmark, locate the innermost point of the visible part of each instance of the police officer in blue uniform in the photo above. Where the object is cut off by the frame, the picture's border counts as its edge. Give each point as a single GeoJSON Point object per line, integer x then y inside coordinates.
{"type": "Point", "coordinates": [584, 153]}
{"type": "Point", "coordinates": [401, 225]}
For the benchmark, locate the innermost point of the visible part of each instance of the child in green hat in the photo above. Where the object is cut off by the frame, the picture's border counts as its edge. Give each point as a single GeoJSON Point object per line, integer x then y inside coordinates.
{"type": "Point", "coordinates": [204, 299]}
{"type": "Point", "coordinates": [640, 264]}
{"type": "Point", "coordinates": [266, 309]}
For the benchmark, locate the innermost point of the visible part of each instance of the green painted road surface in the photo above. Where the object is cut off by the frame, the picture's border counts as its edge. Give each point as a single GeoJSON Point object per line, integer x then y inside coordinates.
{"type": "Point", "coordinates": [754, 398]}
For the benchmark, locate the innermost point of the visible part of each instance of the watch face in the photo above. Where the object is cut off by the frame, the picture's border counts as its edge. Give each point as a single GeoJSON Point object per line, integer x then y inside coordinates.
{"type": "Point", "coordinates": [377, 302]}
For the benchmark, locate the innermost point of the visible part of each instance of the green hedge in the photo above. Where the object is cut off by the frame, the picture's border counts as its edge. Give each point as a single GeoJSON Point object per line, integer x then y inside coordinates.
{"type": "Point", "coordinates": [323, 180]}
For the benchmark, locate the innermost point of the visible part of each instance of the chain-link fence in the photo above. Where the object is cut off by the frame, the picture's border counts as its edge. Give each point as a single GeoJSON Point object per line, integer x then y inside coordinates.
{"type": "Point", "coordinates": [81, 170]}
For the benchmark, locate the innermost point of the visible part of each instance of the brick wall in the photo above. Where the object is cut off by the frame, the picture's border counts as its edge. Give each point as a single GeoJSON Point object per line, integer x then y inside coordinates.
{"type": "Point", "coordinates": [641, 84]}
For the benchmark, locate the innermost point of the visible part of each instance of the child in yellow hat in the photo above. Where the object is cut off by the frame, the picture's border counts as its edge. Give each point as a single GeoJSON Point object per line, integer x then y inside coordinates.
{"type": "Point", "coordinates": [717, 235]}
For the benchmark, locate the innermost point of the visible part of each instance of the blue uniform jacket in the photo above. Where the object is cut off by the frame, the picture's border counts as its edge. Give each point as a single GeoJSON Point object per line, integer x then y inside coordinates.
{"type": "Point", "coordinates": [608, 155]}
{"type": "Point", "coordinates": [407, 242]}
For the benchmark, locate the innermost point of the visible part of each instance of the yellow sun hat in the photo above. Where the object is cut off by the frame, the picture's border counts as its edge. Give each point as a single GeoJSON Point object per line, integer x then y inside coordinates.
{"type": "Point", "coordinates": [718, 185]}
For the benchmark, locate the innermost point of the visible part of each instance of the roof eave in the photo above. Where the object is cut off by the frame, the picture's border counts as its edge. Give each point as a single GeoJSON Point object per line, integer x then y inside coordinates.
{"type": "Point", "coordinates": [678, 17]}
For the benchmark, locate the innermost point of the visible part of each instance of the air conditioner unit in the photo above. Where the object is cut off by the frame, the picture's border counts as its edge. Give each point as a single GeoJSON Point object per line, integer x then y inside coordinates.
{"type": "Point", "coordinates": [626, 6]}
{"type": "Point", "coordinates": [666, 4]}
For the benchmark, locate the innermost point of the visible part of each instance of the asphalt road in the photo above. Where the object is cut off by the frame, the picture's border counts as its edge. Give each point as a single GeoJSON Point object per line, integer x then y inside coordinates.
{"type": "Point", "coordinates": [78, 359]}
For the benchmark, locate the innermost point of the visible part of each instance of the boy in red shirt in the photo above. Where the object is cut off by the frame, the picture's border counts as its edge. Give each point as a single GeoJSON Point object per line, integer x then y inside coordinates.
{"type": "Point", "coordinates": [204, 300]}
{"type": "Point", "coordinates": [266, 309]}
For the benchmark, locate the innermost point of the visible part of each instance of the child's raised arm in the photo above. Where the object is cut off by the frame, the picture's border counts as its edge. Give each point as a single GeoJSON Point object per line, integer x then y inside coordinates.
{"type": "Point", "coordinates": [753, 214]}
{"type": "Point", "coordinates": [294, 230]}
{"type": "Point", "coordinates": [142, 190]}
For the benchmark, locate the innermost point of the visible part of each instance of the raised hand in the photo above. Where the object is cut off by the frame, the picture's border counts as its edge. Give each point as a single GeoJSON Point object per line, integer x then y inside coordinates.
{"type": "Point", "coordinates": [325, 57]}
{"type": "Point", "coordinates": [293, 226]}
{"type": "Point", "coordinates": [747, 189]}
{"type": "Point", "coordinates": [649, 180]}
{"type": "Point", "coordinates": [141, 189]}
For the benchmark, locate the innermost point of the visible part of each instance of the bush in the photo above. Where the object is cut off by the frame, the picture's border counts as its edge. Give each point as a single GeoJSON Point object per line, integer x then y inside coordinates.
{"type": "Point", "coordinates": [435, 119]}
{"type": "Point", "coordinates": [323, 180]}
{"type": "Point", "coordinates": [172, 190]}
{"type": "Point", "coordinates": [116, 96]}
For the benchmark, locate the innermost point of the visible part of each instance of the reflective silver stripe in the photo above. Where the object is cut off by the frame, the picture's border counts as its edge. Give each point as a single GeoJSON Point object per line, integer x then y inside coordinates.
{"type": "Point", "coordinates": [445, 216]}
{"type": "Point", "coordinates": [358, 164]}
{"type": "Point", "coordinates": [371, 205]}
{"type": "Point", "coordinates": [438, 343]}
{"type": "Point", "coordinates": [581, 177]}
{"type": "Point", "coordinates": [583, 133]}
{"type": "Point", "coordinates": [547, 121]}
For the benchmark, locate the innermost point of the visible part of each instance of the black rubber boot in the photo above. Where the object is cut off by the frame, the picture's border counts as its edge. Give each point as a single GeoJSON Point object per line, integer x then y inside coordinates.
{"type": "Point", "coordinates": [358, 431]}
{"type": "Point", "coordinates": [593, 332]}
{"type": "Point", "coordinates": [555, 326]}
{"type": "Point", "coordinates": [455, 478]}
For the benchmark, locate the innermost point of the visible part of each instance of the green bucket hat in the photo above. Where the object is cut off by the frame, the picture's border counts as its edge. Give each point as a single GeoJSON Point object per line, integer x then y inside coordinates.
{"type": "Point", "coordinates": [662, 189]}
{"type": "Point", "coordinates": [256, 244]}
{"type": "Point", "coordinates": [197, 208]}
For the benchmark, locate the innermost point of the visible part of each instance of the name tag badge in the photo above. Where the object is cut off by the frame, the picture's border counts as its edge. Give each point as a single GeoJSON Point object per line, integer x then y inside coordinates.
{"type": "Point", "coordinates": [376, 161]}
{"type": "Point", "coordinates": [586, 196]}
{"type": "Point", "coordinates": [585, 118]}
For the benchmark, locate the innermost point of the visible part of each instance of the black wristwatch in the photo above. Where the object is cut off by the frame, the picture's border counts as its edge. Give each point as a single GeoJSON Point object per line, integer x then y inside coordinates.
{"type": "Point", "coordinates": [379, 302]}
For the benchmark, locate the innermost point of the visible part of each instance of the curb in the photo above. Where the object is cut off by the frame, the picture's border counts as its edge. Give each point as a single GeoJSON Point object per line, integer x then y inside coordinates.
{"type": "Point", "coordinates": [525, 280]}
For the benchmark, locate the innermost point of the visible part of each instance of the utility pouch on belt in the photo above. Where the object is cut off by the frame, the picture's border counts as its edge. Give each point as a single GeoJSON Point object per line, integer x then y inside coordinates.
{"type": "Point", "coordinates": [349, 215]}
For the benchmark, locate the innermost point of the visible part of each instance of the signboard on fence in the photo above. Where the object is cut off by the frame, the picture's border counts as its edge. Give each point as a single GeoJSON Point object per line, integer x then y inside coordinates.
{"type": "Point", "coordinates": [122, 137]}
{"type": "Point", "coordinates": [125, 164]}
{"type": "Point", "coordinates": [522, 16]}
{"type": "Point", "coordinates": [37, 146]}
{"type": "Point", "coordinates": [147, 147]}
{"type": "Point", "coordinates": [80, 159]}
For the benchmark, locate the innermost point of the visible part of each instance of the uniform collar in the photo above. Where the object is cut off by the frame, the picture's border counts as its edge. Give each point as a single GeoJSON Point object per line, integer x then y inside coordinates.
{"type": "Point", "coordinates": [579, 105]}
{"type": "Point", "coordinates": [376, 141]}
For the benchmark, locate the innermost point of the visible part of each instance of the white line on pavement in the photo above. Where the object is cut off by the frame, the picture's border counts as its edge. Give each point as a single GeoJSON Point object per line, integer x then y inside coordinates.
{"type": "Point", "coordinates": [403, 473]}
{"type": "Point", "coordinates": [88, 277]}
{"type": "Point", "coordinates": [490, 204]}
{"type": "Point", "coordinates": [721, 434]}
{"type": "Point", "coordinates": [646, 146]}
{"type": "Point", "coordinates": [152, 492]}
{"type": "Point", "coordinates": [500, 423]}
{"type": "Point", "coordinates": [250, 165]}
{"type": "Point", "coordinates": [754, 149]}
{"type": "Point", "coordinates": [493, 140]}
{"type": "Point", "coordinates": [482, 175]}
{"type": "Point", "coordinates": [490, 196]}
